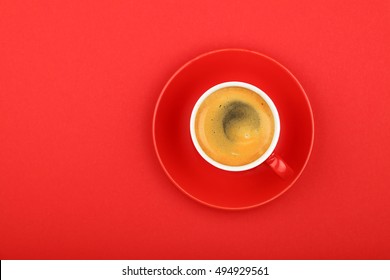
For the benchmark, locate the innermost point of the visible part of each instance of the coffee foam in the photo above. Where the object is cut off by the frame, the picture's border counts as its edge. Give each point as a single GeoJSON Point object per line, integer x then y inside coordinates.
{"type": "Point", "coordinates": [234, 126]}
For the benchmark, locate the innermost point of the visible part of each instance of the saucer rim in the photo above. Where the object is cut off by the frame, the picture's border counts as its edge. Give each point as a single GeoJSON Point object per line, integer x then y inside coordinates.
{"type": "Point", "coordinates": [176, 73]}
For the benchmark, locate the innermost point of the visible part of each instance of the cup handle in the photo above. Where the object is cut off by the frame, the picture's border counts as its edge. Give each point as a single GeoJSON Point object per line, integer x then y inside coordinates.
{"type": "Point", "coordinates": [279, 166]}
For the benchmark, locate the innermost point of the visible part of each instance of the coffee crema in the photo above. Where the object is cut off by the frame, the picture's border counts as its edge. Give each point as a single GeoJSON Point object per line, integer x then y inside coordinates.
{"type": "Point", "coordinates": [234, 126]}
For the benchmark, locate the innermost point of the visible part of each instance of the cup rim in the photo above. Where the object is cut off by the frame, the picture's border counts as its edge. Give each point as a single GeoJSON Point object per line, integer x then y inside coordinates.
{"type": "Point", "coordinates": [271, 105]}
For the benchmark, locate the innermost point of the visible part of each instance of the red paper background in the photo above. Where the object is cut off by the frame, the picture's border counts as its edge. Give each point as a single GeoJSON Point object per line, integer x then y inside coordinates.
{"type": "Point", "coordinates": [79, 178]}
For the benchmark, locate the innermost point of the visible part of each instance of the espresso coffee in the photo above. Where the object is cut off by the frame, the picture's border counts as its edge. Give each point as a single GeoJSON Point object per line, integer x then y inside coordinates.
{"type": "Point", "coordinates": [234, 126]}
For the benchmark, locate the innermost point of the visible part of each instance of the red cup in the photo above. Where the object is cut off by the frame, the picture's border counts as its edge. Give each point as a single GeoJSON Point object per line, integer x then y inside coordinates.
{"type": "Point", "coordinates": [275, 162]}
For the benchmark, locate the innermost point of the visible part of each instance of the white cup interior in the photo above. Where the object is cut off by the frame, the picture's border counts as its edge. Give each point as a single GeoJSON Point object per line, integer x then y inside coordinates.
{"type": "Point", "coordinates": [275, 138]}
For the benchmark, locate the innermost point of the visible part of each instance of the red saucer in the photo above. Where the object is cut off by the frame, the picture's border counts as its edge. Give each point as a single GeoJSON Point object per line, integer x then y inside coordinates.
{"type": "Point", "coordinates": [178, 156]}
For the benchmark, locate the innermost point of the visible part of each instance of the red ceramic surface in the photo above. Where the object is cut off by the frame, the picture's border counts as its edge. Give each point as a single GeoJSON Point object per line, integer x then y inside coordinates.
{"type": "Point", "coordinates": [185, 167]}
